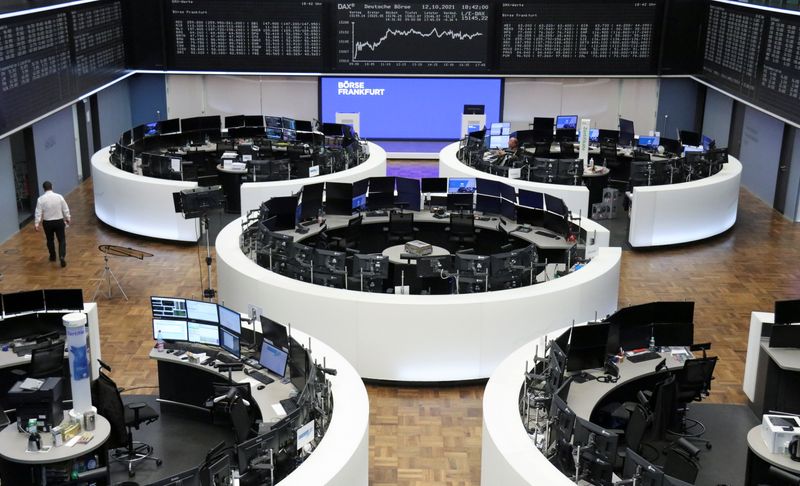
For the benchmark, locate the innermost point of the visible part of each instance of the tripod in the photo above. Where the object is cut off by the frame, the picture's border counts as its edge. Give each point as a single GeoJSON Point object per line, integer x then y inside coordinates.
{"type": "Point", "coordinates": [108, 274]}
{"type": "Point", "coordinates": [208, 293]}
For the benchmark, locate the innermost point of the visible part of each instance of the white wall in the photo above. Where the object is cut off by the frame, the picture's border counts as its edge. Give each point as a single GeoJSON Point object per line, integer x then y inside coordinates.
{"type": "Point", "coordinates": [717, 116]}
{"type": "Point", "coordinates": [195, 94]}
{"type": "Point", "coordinates": [114, 109]}
{"type": "Point", "coordinates": [760, 153]}
{"type": "Point", "coordinates": [54, 143]}
{"type": "Point", "coordinates": [603, 100]}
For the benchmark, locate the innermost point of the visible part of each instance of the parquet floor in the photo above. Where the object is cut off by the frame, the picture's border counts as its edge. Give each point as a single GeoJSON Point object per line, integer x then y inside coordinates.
{"type": "Point", "coordinates": [430, 436]}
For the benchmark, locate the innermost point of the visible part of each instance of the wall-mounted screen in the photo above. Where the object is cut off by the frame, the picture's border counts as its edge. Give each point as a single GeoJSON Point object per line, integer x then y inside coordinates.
{"type": "Point", "coordinates": [409, 108]}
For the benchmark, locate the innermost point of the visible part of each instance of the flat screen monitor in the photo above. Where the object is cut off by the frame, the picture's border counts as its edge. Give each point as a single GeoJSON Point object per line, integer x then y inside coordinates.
{"type": "Point", "coordinates": [63, 299]}
{"type": "Point", "coordinates": [530, 216]}
{"type": "Point", "coordinates": [303, 126]}
{"type": "Point", "coordinates": [234, 121]}
{"type": "Point", "coordinates": [197, 310]}
{"type": "Point", "coordinates": [23, 302]}
{"type": "Point", "coordinates": [474, 109]}
{"type": "Point", "coordinates": [230, 319]}
{"type": "Point", "coordinates": [339, 198]}
{"type": "Point", "coordinates": [203, 333]}
{"type": "Point", "coordinates": [275, 333]}
{"type": "Point", "coordinates": [488, 204]}
{"type": "Point", "coordinates": [508, 209]}
{"type": "Point", "coordinates": [273, 122]}
{"type": "Point", "coordinates": [254, 120]}
{"type": "Point", "coordinates": [311, 201]}
{"type": "Point", "coordinates": [649, 143]}
{"type": "Point", "coordinates": [671, 146]}
{"type": "Point", "coordinates": [505, 263]}
{"type": "Point", "coordinates": [608, 136]}
{"type": "Point", "coordinates": [173, 125]}
{"type": "Point", "coordinates": [459, 201]}
{"type": "Point", "coordinates": [603, 442]}
{"type": "Point", "coordinates": [690, 138]}
{"type": "Point", "coordinates": [543, 124]}
{"type": "Point", "coordinates": [434, 266]}
{"type": "Point", "coordinates": [168, 307]}
{"type": "Point", "coordinates": [487, 187]}
{"type": "Point", "coordinates": [274, 134]}
{"type": "Point", "coordinates": [566, 135]}
{"type": "Point", "coordinates": [184, 478]}
{"type": "Point", "coordinates": [455, 185]}
{"type": "Point", "coordinates": [360, 187]}
{"type": "Point", "coordinates": [645, 472]}
{"type": "Point", "coordinates": [588, 346]}
{"type": "Point", "coordinates": [273, 358]}
{"type": "Point", "coordinates": [433, 185]}
{"type": "Point", "coordinates": [625, 139]}
{"type": "Point", "coordinates": [284, 208]}
{"type": "Point", "coordinates": [496, 129]}
{"type": "Point", "coordinates": [409, 186]}
{"type": "Point", "coordinates": [532, 199]}
{"type": "Point", "coordinates": [567, 121]}
{"type": "Point", "coordinates": [787, 311]}
{"type": "Point", "coordinates": [229, 342]}
{"type": "Point", "coordinates": [333, 129]}
{"type": "Point", "coordinates": [631, 336]}
{"type": "Point", "coordinates": [255, 448]}
{"type": "Point", "coordinates": [380, 200]}
{"type": "Point", "coordinates": [216, 471]}
{"type": "Point", "coordinates": [298, 366]}
{"type": "Point", "coordinates": [626, 126]}
{"type": "Point", "coordinates": [150, 129]}
{"type": "Point", "coordinates": [328, 261]}
{"type": "Point", "coordinates": [472, 265]}
{"type": "Point", "coordinates": [138, 132]}
{"type": "Point", "coordinates": [498, 141]}
{"type": "Point", "coordinates": [708, 143]}
{"type": "Point", "coordinates": [381, 184]}
{"type": "Point", "coordinates": [785, 336]}
{"type": "Point", "coordinates": [555, 205]}
{"type": "Point", "coordinates": [171, 330]}
{"type": "Point", "coordinates": [673, 333]}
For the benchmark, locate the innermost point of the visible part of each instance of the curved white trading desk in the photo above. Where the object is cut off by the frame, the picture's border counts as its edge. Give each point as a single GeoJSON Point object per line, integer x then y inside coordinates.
{"type": "Point", "coordinates": [687, 211]}
{"type": "Point", "coordinates": [138, 204]}
{"type": "Point", "coordinates": [254, 193]}
{"type": "Point", "coordinates": [418, 338]}
{"type": "Point", "coordinates": [342, 456]}
{"type": "Point", "coordinates": [575, 197]}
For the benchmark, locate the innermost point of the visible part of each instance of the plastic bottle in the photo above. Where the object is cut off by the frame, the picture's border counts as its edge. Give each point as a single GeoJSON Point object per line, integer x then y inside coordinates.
{"type": "Point", "coordinates": [591, 163]}
{"type": "Point", "coordinates": [652, 343]}
{"type": "Point", "coordinates": [159, 342]}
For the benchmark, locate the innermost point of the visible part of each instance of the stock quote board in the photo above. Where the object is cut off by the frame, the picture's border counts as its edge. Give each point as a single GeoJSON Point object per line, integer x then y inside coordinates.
{"type": "Point", "coordinates": [579, 37]}
{"type": "Point", "coordinates": [245, 35]}
{"type": "Point", "coordinates": [48, 59]}
{"type": "Point", "coordinates": [411, 37]}
{"type": "Point", "coordinates": [754, 54]}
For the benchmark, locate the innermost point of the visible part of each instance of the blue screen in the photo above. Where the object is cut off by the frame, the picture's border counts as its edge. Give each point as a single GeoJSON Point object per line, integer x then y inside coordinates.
{"type": "Point", "coordinates": [461, 185]}
{"type": "Point", "coordinates": [409, 108]}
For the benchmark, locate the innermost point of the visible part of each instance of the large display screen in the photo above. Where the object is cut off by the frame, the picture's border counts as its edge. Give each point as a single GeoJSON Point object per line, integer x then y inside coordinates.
{"type": "Point", "coordinates": [245, 35]}
{"type": "Point", "coordinates": [579, 36]}
{"type": "Point", "coordinates": [409, 108]}
{"type": "Point", "coordinates": [411, 36]}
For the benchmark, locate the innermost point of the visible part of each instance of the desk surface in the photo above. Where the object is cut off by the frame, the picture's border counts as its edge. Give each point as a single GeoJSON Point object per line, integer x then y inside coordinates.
{"type": "Point", "coordinates": [544, 242]}
{"type": "Point", "coordinates": [13, 445]}
{"type": "Point", "coordinates": [786, 358]}
{"type": "Point", "coordinates": [393, 253]}
{"type": "Point", "coordinates": [756, 444]}
{"type": "Point", "coordinates": [265, 398]}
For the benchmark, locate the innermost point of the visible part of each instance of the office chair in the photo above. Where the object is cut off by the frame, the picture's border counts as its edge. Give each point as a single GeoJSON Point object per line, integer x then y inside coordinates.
{"type": "Point", "coordinates": [352, 237]}
{"type": "Point", "coordinates": [567, 148]}
{"type": "Point", "coordinates": [401, 227]}
{"type": "Point", "coordinates": [693, 384]}
{"type": "Point", "coordinates": [123, 419]}
{"type": "Point", "coordinates": [46, 361]}
{"type": "Point", "coordinates": [662, 404]}
{"type": "Point", "coordinates": [681, 461]}
{"type": "Point", "coordinates": [638, 423]}
{"type": "Point", "coordinates": [462, 229]}
{"type": "Point", "coordinates": [779, 477]}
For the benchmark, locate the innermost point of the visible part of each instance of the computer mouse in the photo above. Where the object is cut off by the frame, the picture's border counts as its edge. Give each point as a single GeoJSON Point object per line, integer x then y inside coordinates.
{"type": "Point", "coordinates": [260, 387]}
{"type": "Point", "coordinates": [184, 358]}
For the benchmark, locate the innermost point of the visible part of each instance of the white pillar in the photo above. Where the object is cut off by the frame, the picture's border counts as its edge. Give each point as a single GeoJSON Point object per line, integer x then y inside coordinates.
{"type": "Point", "coordinates": [78, 362]}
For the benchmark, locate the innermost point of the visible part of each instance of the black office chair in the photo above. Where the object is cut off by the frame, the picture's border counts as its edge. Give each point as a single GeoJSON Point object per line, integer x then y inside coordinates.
{"type": "Point", "coordinates": [682, 462]}
{"type": "Point", "coordinates": [46, 361]}
{"type": "Point", "coordinates": [352, 237]}
{"type": "Point", "coordinates": [638, 423]}
{"type": "Point", "coordinates": [662, 404]}
{"type": "Point", "coordinates": [694, 384]}
{"type": "Point", "coordinates": [462, 229]}
{"type": "Point", "coordinates": [401, 227]}
{"type": "Point", "coordinates": [123, 419]}
{"type": "Point", "coordinates": [567, 148]}
{"type": "Point", "coordinates": [779, 477]}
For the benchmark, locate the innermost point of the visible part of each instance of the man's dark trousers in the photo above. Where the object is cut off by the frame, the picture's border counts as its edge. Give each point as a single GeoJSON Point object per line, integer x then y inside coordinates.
{"type": "Point", "coordinates": [55, 228]}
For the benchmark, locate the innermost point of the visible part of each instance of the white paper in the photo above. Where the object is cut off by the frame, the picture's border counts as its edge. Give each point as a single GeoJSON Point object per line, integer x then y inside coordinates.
{"type": "Point", "coordinates": [278, 408]}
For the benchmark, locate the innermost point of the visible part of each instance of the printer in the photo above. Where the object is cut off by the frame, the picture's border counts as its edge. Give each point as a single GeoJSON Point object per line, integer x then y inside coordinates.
{"type": "Point", "coordinates": [778, 430]}
{"type": "Point", "coordinates": [42, 404]}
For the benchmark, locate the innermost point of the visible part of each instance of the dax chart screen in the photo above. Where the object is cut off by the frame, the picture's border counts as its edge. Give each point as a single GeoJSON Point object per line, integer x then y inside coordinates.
{"type": "Point", "coordinates": [441, 37]}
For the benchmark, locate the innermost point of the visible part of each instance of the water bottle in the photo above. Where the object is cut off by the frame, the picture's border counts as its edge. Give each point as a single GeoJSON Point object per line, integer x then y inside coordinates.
{"type": "Point", "coordinates": [652, 343]}
{"type": "Point", "coordinates": [159, 342]}
{"type": "Point", "coordinates": [591, 163]}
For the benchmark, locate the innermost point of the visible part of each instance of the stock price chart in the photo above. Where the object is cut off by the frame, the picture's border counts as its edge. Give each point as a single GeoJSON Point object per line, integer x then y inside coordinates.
{"type": "Point", "coordinates": [449, 37]}
{"type": "Point", "coordinates": [579, 37]}
{"type": "Point", "coordinates": [247, 35]}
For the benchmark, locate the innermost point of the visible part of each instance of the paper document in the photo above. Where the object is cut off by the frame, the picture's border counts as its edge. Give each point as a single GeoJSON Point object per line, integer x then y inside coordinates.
{"type": "Point", "coordinates": [31, 384]}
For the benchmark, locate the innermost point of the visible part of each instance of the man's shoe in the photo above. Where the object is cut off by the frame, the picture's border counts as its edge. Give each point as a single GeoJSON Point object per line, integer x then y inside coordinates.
{"type": "Point", "coordinates": [63, 263]}
{"type": "Point", "coordinates": [52, 258]}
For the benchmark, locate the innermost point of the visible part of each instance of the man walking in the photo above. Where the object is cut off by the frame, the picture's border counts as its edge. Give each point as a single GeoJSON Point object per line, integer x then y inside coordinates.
{"type": "Point", "coordinates": [52, 213]}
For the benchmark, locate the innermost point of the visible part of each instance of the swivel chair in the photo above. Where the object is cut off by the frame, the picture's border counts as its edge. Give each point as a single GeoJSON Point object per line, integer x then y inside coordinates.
{"type": "Point", "coordinates": [639, 421]}
{"type": "Point", "coordinates": [46, 361]}
{"type": "Point", "coordinates": [352, 237]}
{"type": "Point", "coordinates": [401, 227]}
{"type": "Point", "coordinates": [693, 384]}
{"type": "Point", "coordinates": [779, 477]}
{"type": "Point", "coordinates": [123, 419]}
{"type": "Point", "coordinates": [462, 229]}
{"type": "Point", "coordinates": [682, 462]}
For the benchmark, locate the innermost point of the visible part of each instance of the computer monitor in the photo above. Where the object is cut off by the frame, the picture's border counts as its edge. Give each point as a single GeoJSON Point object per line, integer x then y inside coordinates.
{"type": "Point", "coordinates": [644, 471]}
{"type": "Point", "coordinates": [381, 185]}
{"type": "Point", "coordinates": [532, 199]}
{"type": "Point", "coordinates": [487, 187]}
{"type": "Point", "coordinates": [275, 333]}
{"type": "Point", "coordinates": [673, 333]}
{"type": "Point", "coordinates": [690, 138]}
{"type": "Point", "coordinates": [602, 442]}
{"type": "Point", "coordinates": [303, 126]}
{"type": "Point", "coordinates": [457, 185]}
{"type": "Point", "coordinates": [185, 478]}
{"type": "Point", "coordinates": [171, 330]}
{"type": "Point", "coordinates": [649, 143]}
{"type": "Point", "coordinates": [787, 311]}
{"type": "Point", "coordinates": [311, 201]}
{"type": "Point", "coordinates": [459, 201]}
{"type": "Point", "coordinates": [298, 366]}
{"type": "Point", "coordinates": [23, 302]}
{"type": "Point", "coordinates": [255, 448]}
{"type": "Point", "coordinates": [230, 319]}
{"type": "Point", "coordinates": [671, 146]}
{"type": "Point", "coordinates": [434, 266]}
{"type": "Point", "coordinates": [474, 109]}
{"type": "Point", "coordinates": [168, 307]}
{"type": "Point", "coordinates": [273, 358]}
{"type": "Point", "coordinates": [530, 216]}
{"type": "Point", "coordinates": [216, 471]}
{"type": "Point", "coordinates": [274, 134]}
{"type": "Point", "coordinates": [563, 420]}
{"type": "Point", "coordinates": [555, 205]}
{"type": "Point", "coordinates": [626, 126]}
{"type": "Point", "coordinates": [543, 124]}
{"type": "Point", "coordinates": [566, 135]}
{"type": "Point", "coordinates": [708, 143]}
{"type": "Point", "coordinates": [200, 333]}
{"type": "Point", "coordinates": [273, 122]}
{"type": "Point", "coordinates": [625, 139]}
{"type": "Point", "coordinates": [608, 136]}
{"type": "Point", "coordinates": [328, 261]}
{"type": "Point", "coordinates": [63, 299]}
{"type": "Point", "coordinates": [488, 204]}
{"type": "Point", "coordinates": [496, 129]}
{"type": "Point", "coordinates": [498, 141]}
{"type": "Point", "coordinates": [229, 342]}
{"type": "Point", "coordinates": [284, 208]}
{"type": "Point", "coordinates": [433, 185]}
{"type": "Point", "coordinates": [253, 120]}
{"type": "Point", "coordinates": [588, 347]}
{"type": "Point", "coordinates": [513, 261]}
{"type": "Point", "coordinates": [172, 125]}
{"type": "Point", "coordinates": [631, 336]}
{"type": "Point", "coordinates": [408, 193]}
{"type": "Point", "coordinates": [784, 336]}
{"type": "Point", "coordinates": [339, 198]}
{"type": "Point", "coordinates": [234, 121]}
{"type": "Point", "coordinates": [197, 310]}
{"type": "Point", "coordinates": [372, 265]}
{"type": "Point", "coordinates": [472, 265]}
{"type": "Point", "coordinates": [567, 121]}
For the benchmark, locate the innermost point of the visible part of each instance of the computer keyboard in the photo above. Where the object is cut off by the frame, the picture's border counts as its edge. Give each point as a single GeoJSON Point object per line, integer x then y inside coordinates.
{"type": "Point", "coordinates": [638, 358]}
{"type": "Point", "coordinates": [373, 214]}
{"type": "Point", "coordinates": [224, 358]}
{"type": "Point", "coordinates": [289, 405]}
{"type": "Point", "coordinates": [253, 363]}
{"type": "Point", "coordinates": [260, 376]}
{"type": "Point", "coordinates": [523, 229]}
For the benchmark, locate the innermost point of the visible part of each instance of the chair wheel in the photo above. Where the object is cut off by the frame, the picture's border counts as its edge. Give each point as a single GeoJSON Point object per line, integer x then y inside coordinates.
{"type": "Point", "coordinates": [708, 446]}
{"type": "Point", "coordinates": [159, 462]}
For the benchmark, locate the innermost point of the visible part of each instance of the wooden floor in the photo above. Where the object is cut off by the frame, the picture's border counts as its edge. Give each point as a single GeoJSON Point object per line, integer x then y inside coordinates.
{"type": "Point", "coordinates": [429, 436]}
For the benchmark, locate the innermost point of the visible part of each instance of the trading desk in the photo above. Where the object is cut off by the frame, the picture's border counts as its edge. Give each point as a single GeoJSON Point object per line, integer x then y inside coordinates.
{"type": "Point", "coordinates": [419, 338]}
{"type": "Point", "coordinates": [508, 455]}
